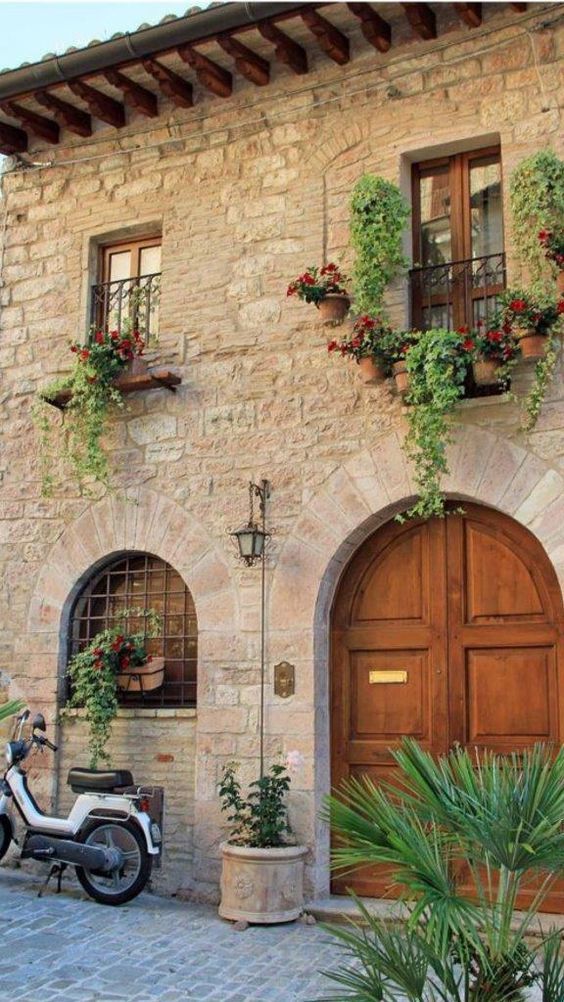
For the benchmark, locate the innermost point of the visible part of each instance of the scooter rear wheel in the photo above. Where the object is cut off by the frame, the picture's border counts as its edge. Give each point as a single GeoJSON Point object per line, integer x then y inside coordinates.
{"type": "Point", "coordinates": [126, 883]}
{"type": "Point", "coordinates": [5, 835]}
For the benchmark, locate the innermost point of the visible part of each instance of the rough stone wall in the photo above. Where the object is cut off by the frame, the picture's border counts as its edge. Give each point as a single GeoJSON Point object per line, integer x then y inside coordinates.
{"type": "Point", "coordinates": [256, 189]}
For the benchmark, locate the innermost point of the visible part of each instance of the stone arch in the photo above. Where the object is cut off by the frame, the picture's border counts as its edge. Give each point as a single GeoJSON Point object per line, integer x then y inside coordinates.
{"type": "Point", "coordinates": [358, 497]}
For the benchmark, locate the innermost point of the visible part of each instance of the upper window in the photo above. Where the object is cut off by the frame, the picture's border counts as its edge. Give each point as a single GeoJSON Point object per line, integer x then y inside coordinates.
{"type": "Point", "coordinates": [128, 286]}
{"type": "Point", "coordinates": [459, 262]}
{"type": "Point", "coordinates": [144, 581]}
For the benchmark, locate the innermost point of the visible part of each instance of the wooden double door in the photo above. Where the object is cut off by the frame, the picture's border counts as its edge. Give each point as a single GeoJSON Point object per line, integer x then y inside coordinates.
{"type": "Point", "coordinates": [446, 631]}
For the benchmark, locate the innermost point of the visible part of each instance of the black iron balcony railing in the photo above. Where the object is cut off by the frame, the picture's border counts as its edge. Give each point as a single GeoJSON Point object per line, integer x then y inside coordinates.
{"type": "Point", "coordinates": [132, 299]}
{"type": "Point", "coordinates": [457, 292]}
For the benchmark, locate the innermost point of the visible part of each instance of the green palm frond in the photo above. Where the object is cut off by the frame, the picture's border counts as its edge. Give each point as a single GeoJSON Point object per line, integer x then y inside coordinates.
{"type": "Point", "coordinates": [552, 975]}
{"type": "Point", "coordinates": [10, 708]}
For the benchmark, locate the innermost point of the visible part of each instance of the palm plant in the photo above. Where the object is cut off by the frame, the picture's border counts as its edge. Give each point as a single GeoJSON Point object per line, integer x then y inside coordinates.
{"type": "Point", "coordinates": [10, 708]}
{"type": "Point", "coordinates": [498, 820]}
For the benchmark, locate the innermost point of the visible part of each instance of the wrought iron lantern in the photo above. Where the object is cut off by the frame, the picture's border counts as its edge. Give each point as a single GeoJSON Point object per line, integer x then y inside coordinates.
{"type": "Point", "coordinates": [251, 538]}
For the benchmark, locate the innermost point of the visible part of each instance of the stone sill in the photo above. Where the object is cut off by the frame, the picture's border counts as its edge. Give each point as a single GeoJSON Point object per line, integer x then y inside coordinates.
{"type": "Point", "coordinates": [133, 712]}
{"type": "Point", "coordinates": [467, 403]}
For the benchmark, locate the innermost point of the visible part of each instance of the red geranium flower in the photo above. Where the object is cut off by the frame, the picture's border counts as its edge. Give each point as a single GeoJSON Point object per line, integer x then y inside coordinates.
{"type": "Point", "coordinates": [124, 662]}
{"type": "Point", "coordinates": [560, 306]}
{"type": "Point", "coordinates": [517, 305]}
{"type": "Point", "coordinates": [84, 354]}
{"type": "Point", "coordinates": [468, 344]}
{"type": "Point", "coordinates": [99, 337]}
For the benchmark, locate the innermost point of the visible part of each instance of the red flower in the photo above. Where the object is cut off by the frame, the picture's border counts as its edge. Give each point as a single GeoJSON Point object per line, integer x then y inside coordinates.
{"type": "Point", "coordinates": [332, 346]}
{"type": "Point", "coordinates": [307, 280]}
{"type": "Point", "coordinates": [117, 643]}
{"type": "Point", "coordinates": [99, 337]}
{"type": "Point", "coordinates": [328, 268]}
{"type": "Point", "coordinates": [84, 354]}
{"type": "Point", "coordinates": [74, 347]}
{"type": "Point", "coordinates": [114, 335]}
{"type": "Point", "coordinates": [517, 305]}
{"type": "Point", "coordinates": [124, 662]}
{"type": "Point", "coordinates": [544, 235]}
{"type": "Point", "coordinates": [494, 336]}
{"type": "Point", "coordinates": [560, 306]}
{"type": "Point", "coordinates": [468, 344]}
{"type": "Point", "coordinates": [463, 330]}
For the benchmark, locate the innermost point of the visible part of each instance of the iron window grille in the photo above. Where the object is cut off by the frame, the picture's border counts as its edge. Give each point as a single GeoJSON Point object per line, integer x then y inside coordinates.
{"type": "Point", "coordinates": [456, 292]}
{"type": "Point", "coordinates": [134, 299]}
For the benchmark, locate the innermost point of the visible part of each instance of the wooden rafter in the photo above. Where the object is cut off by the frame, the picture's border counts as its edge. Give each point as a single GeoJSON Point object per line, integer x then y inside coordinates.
{"type": "Point", "coordinates": [422, 19]}
{"type": "Point", "coordinates": [209, 74]}
{"type": "Point", "coordinates": [287, 51]}
{"type": "Point", "coordinates": [43, 127]}
{"type": "Point", "coordinates": [12, 140]}
{"type": "Point", "coordinates": [102, 106]}
{"type": "Point", "coordinates": [249, 63]}
{"type": "Point", "coordinates": [519, 7]}
{"type": "Point", "coordinates": [66, 114]}
{"type": "Point", "coordinates": [470, 13]}
{"type": "Point", "coordinates": [330, 39]}
{"type": "Point", "coordinates": [179, 90]}
{"type": "Point", "coordinates": [375, 30]}
{"type": "Point", "coordinates": [138, 97]}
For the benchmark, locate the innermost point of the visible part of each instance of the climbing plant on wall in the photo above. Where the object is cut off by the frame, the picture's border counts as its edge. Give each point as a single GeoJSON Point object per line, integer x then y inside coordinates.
{"type": "Point", "coordinates": [379, 213]}
{"type": "Point", "coordinates": [537, 204]}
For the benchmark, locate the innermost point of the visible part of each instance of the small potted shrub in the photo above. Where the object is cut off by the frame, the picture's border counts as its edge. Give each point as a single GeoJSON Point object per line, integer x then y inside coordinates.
{"type": "Point", "coordinates": [326, 288]}
{"type": "Point", "coordinates": [531, 318]}
{"type": "Point", "coordinates": [492, 353]}
{"type": "Point", "coordinates": [552, 242]}
{"type": "Point", "coordinates": [117, 658]}
{"type": "Point", "coordinates": [262, 869]}
{"type": "Point", "coordinates": [368, 345]}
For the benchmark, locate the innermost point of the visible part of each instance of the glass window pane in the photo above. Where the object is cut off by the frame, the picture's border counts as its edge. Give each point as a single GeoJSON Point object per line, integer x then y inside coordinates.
{"type": "Point", "coordinates": [120, 266]}
{"type": "Point", "coordinates": [486, 219]}
{"type": "Point", "coordinates": [150, 261]}
{"type": "Point", "coordinates": [436, 242]}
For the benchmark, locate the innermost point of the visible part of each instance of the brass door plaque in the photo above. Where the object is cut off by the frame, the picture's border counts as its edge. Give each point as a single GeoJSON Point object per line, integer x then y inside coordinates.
{"type": "Point", "coordinates": [382, 677]}
{"type": "Point", "coordinates": [284, 679]}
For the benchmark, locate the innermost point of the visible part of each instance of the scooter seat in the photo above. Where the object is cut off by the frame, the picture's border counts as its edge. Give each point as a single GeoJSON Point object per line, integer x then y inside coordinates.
{"type": "Point", "coordinates": [98, 780]}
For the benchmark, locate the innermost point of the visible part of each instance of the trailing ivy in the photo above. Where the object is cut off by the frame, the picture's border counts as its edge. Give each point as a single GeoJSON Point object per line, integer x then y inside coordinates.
{"type": "Point", "coordinates": [437, 365]}
{"type": "Point", "coordinates": [378, 216]}
{"type": "Point", "coordinates": [544, 372]}
{"type": "Point", "coordinates": [537, 203]}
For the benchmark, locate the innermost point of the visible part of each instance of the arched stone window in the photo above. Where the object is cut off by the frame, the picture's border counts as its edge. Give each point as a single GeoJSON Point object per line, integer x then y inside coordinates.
{"type": "Point", "coordinates": [141, 580]}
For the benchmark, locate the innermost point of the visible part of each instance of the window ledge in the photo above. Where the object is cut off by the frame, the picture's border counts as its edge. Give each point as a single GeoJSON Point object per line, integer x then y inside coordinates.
{"type": "Point", "coordinates": [166, 712]}
{"type": "Point", "coordinates": [467, 403]}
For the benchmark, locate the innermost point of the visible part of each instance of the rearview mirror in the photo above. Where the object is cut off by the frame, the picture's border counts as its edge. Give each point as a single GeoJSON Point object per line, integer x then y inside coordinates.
{"type": "Point", "coordinates": [38, 723]}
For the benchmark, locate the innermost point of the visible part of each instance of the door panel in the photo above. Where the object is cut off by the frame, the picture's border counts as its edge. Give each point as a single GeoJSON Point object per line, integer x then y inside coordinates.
{"type": "Point", "coordinates": [445, 631]}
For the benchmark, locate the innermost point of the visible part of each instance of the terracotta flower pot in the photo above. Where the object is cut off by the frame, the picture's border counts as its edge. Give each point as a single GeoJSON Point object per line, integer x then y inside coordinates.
{"type": "Point", "coordinates": [334, 308]}
{"type": "Point", "coordinates": [533, 346]}
{"type": "Point", "coordinates": [262, 885]}
{"type": "Point", "coordinates": [137, 366]}
{"type": "Point", "coordinates": [142, 678]}
{"type": "Point", "coordinates": [401, 376]}
{"type": "Point", "coordinates": [485, 372]}
{"type": "Point", "coordinates": [371, 372]}
{"type": "Point", "coordinates": [560, 283]}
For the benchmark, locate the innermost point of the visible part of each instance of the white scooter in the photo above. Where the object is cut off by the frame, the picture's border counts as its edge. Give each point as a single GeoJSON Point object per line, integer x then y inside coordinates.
{"type": "Point", "coordinates": [108, 836]}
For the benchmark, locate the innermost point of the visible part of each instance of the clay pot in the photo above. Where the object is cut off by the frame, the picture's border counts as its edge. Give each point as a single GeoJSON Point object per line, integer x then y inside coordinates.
{"type": "Point", "coordinates": [533, 346]}
{"type": "Point", "coordinates": [142, 678]}
{"type": "Point", "coordinates": [137, 366]}
{"type": "Point", "coordinates": [262, 885]}
{"type": "Point", "coordinates": [560, 283]}
{"type": "Point", "coordinates": [371, 372]}
{"type": "Point", "coordinates": [401, 376]}
{"type": "Point", "coordinates": [485, 372]}
{"type": "Point", "coordinates": [334, 308]}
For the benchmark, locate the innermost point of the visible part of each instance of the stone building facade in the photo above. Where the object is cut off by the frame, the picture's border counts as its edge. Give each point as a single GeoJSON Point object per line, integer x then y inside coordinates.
{"type": "Point", "coordinates": [245, 193]}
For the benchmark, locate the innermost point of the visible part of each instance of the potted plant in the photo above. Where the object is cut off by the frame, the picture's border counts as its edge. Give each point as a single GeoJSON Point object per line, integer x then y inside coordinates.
{"type": "Point", "coordinates": [378, 216]}
{"type": "Point", "coordinates": [537, 201]}
{"type": "Point", "coordinates": [325, 287]}
{"type": "Point", "coordinates": [93, 387]}
{"type": "Point", "coordinates": [552, 242]}
{"type": "Point", "coordinates": [493, 352]}
{"type": "Point", "coordinates": [531, 318]}
{"type": "Point", "coordinates": [117, 658]}
{"type": "Point", "coordinates": [262, 867]}
{"type": "Point", "coordinates": [368, 345]}
{"type": "Point", "coordinates": [397, 348]}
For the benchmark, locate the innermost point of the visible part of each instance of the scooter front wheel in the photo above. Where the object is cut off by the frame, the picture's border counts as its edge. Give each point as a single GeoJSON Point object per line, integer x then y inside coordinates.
{"type": "Point", "coordinates": [126, 883]}
{"type": "Point", "coordinates": [5, 835]}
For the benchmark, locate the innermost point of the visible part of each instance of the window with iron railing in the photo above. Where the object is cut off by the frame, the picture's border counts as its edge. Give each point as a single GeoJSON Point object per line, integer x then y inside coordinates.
{"type": "Point", "coordinates": [458, 249]}
{"type": "Point", "coordinates": [129, 289]}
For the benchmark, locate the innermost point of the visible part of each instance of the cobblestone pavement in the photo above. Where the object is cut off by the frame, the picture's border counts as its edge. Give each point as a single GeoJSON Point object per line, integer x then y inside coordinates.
{"type": "Point", "coordinates": [67, 947]}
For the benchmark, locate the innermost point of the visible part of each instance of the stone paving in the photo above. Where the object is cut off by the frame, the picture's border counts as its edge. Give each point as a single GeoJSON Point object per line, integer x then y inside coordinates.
{"type": "Point", "coordinates": [67, 948]}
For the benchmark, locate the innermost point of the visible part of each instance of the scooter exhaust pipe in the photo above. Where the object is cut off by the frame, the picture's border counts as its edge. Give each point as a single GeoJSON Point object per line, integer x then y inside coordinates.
{"type": "Point", "coordinates": [58, 850]}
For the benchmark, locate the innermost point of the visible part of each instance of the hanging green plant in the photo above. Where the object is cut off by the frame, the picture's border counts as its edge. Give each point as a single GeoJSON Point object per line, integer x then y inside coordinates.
{"type": "Point", "coordinates": [379, 213]}
{"type": "Point", "coordinates": [537, 204]}
{"type": "Point", "coordinates": [92, 392]}
{"type": "Point", "coordinates": [437, 364]}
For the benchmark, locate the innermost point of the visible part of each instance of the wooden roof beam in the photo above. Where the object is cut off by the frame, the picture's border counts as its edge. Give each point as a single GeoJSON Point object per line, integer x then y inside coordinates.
{"type": "Point", "coordinates": [422, 19]}
{"type": "Point", "coordinates": [99, 104]}
{"type": "Point", "coordinates": [330, 39]}
{"type": "Point", "coordinates": [519, 7]}
{"type": "Point", "coordinates": [12, 140]}
{"type": "Point", "coordinates": [287, 51]}
{"type": "Point", "coordinates": [249, 63]}
{"type": "Point", "coordinates": [66, 114]}
{"type": "Point", "coordinates": [209, 74]}
{"type": "Point", "coordinates": [138, 97]}
{"type": "Point", "coordinates": [470, 13]}
{"type": "Point", "coordinates": [375, 30]}
{"type": "Point", "coordinates": [43, 127]}
{"type": "Point", "coordinates": [179, 90]}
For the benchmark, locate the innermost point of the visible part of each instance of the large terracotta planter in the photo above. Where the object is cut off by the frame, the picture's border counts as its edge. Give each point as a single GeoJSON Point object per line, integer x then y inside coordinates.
{"type": "Point", "coordinates": [533, 346]}
{"type": "Point", "coordinates": [334, 308]}
{"type": "Point", "coordinates": [371, 372]}
{"type": "Point", "coordinates": [262, 885]}
{"type": "Point", "coordinates": [142, 678]}
{"type": "Point", "coordinates": [401, 376]}
{"type": "Point", "coordinates": [485, 372]}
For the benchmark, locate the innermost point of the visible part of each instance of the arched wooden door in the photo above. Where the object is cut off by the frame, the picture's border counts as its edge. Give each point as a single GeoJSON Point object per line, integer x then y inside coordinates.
{"type": "Point", "coordinates": [447, 631]}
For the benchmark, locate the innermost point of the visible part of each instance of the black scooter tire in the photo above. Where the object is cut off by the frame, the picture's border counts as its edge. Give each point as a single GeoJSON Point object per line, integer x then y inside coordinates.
{"type": "Point", "coordinates": [107, 898]}
{"type": "Point", "coordinates": [5, 835]}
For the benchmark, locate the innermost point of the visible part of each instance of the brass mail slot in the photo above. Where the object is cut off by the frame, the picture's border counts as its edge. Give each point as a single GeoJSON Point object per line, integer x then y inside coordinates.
{"type": "Point", "coordinates": [395, 677]}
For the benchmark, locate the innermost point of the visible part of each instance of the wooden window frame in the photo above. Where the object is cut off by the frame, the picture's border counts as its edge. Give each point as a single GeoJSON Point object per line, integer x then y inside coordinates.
{"type": "Point", "coordinates": [459, 168]}
{"type": "Point", "coordinates": [133, 246]}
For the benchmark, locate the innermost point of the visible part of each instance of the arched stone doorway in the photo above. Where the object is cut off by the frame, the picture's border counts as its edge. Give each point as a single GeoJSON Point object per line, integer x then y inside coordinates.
{"type": "Point", "coordinates": [447, 631]}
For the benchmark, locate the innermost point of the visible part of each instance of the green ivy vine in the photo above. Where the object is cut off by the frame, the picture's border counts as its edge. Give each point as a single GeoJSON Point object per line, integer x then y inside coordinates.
{"type": "Point", "coordinates": [378, 216]}
{"type": "Point", "coordinates": [544, 373]}
{"type": "Point", "coordinates": [537, 203]}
